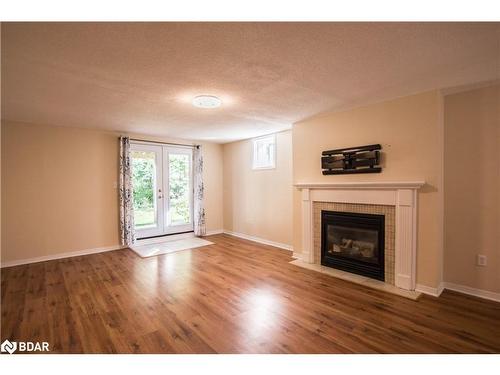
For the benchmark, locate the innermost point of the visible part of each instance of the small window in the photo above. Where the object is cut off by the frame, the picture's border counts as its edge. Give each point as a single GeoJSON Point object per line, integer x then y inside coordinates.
{"type": "Point", "coordinates": [264, 152]}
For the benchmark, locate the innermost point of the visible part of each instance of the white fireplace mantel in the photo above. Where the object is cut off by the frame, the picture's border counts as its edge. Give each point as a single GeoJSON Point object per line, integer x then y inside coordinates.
{"type": "Point", "coordinates": [400, 194]}
{"type": "Point", "coordinates": [362, 185]}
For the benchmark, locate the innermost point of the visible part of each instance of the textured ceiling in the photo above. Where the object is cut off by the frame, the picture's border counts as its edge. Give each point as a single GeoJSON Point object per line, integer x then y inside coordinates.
{"type": "Point", "coordinates": [140, 77]}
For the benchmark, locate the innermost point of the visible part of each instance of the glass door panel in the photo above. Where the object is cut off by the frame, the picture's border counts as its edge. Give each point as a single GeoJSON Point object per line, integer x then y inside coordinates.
{"type": "Point", "coordinates": [180, 190]}
{"type": "Point", "coordinates": [147, 186]}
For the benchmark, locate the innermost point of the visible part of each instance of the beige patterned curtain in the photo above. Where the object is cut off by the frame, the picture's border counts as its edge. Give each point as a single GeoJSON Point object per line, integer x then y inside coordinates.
{"type": "Point", "coordinates": [127, 232]}
{"type": "Point", "coordinates": [198, 207]}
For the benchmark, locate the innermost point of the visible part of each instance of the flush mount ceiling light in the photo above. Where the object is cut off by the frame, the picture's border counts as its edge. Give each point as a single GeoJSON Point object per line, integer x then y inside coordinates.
{"type": "Point", "coordinates": [206, 101]}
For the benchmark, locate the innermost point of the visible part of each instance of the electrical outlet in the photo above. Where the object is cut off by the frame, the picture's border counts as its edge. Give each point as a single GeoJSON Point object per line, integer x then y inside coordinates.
{"type": "Point", "coordinates": [481, 260]}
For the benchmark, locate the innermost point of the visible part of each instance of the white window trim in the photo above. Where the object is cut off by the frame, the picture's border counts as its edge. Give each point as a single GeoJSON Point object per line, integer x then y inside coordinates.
{"type": "Point", "coordinates": [254, 151]}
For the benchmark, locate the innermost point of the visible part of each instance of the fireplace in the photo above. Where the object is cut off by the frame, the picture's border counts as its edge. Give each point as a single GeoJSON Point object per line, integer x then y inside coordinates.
{"type": "Point", "coordinates": [353, 242]}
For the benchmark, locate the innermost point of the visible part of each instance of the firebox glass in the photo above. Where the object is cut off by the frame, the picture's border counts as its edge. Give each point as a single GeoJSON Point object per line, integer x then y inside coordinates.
{"type": "Point", "coordinates": [353, 243]}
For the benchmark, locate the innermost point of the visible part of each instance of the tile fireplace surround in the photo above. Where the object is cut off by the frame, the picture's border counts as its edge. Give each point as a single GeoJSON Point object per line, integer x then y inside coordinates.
{"type": "Point", "coordinates": [367, 196]}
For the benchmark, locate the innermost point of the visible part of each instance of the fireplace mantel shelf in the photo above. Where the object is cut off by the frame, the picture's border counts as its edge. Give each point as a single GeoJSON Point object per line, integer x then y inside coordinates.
{"type": "Point", "coordinates": [362, 185]}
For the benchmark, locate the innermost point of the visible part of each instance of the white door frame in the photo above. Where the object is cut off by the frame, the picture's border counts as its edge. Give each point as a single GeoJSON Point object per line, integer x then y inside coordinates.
{"type": "Point", "coordinates": [161, 195]}
{"type": "Point", "coordinates": [158, 184]}
{"type": "Point", "coordinates": [169, 227]}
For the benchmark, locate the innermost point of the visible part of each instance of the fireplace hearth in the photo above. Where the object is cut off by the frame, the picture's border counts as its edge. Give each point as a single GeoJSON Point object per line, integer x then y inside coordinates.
{"type": "Point", "coordinates": [353, 242]}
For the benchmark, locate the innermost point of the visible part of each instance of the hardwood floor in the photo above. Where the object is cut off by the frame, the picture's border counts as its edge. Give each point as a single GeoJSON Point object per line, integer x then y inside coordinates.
{"type": "Point", "coordinates": [235, 296]}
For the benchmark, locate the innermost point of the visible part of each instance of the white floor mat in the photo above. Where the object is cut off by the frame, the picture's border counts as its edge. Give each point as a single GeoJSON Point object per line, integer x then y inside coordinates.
{"type": "Point", "coordinates": [167, 247]}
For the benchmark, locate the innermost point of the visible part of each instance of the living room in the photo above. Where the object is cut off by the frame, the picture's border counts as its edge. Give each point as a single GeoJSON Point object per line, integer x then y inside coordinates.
{"type": "Point", "coordinates": [250, 187]}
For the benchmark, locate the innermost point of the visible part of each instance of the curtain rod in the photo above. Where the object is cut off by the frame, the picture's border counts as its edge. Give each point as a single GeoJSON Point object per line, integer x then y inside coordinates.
{"type": "Point", "coordinates": [164, 143]}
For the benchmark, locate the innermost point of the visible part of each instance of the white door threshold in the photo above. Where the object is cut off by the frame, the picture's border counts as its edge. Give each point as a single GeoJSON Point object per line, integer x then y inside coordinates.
{"type": "Point", "coordinates": [358, 279]}
{"type": "Point", "coordinates": [168, 238]}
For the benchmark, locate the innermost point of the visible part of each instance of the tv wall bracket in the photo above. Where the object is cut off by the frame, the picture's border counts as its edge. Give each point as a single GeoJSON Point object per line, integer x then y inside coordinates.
{"type": "Point", "coordinates": [361, 159]}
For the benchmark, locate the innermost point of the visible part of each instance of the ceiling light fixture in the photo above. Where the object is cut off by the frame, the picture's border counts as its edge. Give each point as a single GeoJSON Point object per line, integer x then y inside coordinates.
{"type": "Point", "coordinates": [206, 101]}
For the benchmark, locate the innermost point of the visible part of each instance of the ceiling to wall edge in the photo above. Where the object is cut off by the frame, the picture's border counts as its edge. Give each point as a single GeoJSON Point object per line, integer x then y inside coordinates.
{"type": "Point", "coordinates": [443, 91]}
{"type": "Point", "coordinates": [446, 91]}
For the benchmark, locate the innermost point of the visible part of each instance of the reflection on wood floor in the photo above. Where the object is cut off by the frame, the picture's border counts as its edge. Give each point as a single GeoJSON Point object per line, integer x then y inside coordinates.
{"type": "Point", "coordinates": [235, 296]}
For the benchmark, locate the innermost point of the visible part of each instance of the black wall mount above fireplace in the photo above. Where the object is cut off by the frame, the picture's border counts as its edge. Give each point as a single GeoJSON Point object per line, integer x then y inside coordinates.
{"type": "Point", "coordinates": [360, 159]}
{"type": "Point", "coordinates": [353, 242]}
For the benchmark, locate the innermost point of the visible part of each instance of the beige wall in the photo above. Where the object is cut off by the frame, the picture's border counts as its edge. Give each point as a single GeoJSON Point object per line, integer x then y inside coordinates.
{"type": "Point", "coordinates": [410, 131]}
{"type": "Point", "coordinates": [59, 190]}
{"type": "Point", "coordinates": [472, 188]}
{"type": "Point", "coordinates": [259, 202]}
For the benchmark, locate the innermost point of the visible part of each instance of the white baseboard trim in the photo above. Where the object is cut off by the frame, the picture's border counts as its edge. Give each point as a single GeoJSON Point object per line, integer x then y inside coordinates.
{"type": "Point", "coordinates": [215, 231]}
{"type": "Point", "coordinates": [259, 240]}
{"type": "Point", "coordinates": [481, 293]}
{"type": "Point", "coordinates": [435, 292]}
{"type": "Point", "coordinates": [61, 255]}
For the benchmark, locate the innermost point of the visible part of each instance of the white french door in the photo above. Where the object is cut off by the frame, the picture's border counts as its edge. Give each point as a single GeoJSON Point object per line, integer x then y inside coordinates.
{"type": "Point", "coordinates": [162, 178]}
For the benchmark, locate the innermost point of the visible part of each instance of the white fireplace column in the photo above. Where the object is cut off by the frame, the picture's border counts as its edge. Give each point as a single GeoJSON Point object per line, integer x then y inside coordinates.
{"type": "Point", "coordinates": [401, 195]}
